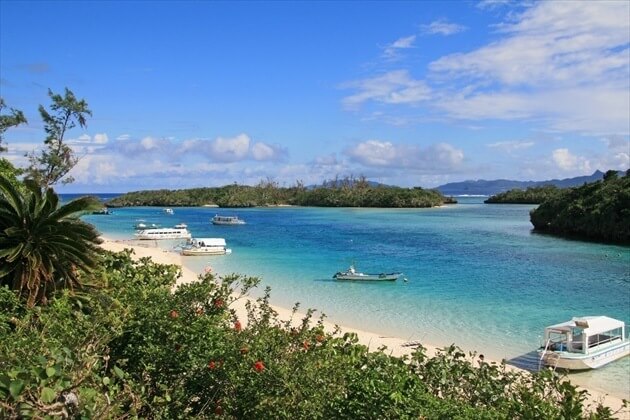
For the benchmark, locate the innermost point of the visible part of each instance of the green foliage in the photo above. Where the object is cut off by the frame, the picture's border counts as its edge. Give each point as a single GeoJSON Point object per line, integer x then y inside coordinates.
{"type": "Point", "coordinates": [15, 118]}
{"type": "Point", "coordinates": [596, 211]}
{"type": "Point", "coordinates": [532, 195]}
{"type": "Point", "coordinates": [133, 347]}
{"type": "Point", "coordinates": [58, 159]}
{"type": "Point", "coordinates": [340, 193]}
{"type": "Point", "coordinates": [43, 245]}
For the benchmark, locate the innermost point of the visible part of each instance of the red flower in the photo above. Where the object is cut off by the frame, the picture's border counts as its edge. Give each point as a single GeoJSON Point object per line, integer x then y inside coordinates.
{"type": "Point", "coordinates": [212, 365]}
{"type": "Point", "coordinates": [306, 345]}
{"type": "Point", "coordinates": [319, 338]}
{"type": "Point", "coordinates": [218, 303]}
{"type": "Point", "coordinates": [237, 326]}
{"type": "Point", "coordinates": [174, 314]}
{"type": "Point", "coordinates": [259, 366]}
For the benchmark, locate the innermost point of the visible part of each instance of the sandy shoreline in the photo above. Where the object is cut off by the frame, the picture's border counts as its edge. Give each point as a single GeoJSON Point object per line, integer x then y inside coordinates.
{"type": "Point", "coordinates": [395, 345]}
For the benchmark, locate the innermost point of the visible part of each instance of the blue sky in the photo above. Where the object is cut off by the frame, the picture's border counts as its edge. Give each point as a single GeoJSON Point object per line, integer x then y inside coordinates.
{"type": "Point", "coordinates": [188, 94]}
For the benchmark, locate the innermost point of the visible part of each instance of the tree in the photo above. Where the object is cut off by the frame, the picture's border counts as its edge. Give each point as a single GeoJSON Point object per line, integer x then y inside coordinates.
{"type": "Point", "coordinates": [7, 121]}
{"type": "Point", "coordinates": [58, 159]}
{"type": "Point", "coordinates": [43, 245]}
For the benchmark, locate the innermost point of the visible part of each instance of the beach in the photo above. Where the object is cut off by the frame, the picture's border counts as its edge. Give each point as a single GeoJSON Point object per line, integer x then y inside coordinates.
{"type": "Point", "coordinates": [396, 346]}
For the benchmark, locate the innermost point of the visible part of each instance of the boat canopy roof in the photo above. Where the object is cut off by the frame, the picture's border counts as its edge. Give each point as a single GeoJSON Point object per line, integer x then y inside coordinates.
{"type": "Point", "coordinates": [590, 324]}
{"type": "Point", "coordinates": [209, 241]}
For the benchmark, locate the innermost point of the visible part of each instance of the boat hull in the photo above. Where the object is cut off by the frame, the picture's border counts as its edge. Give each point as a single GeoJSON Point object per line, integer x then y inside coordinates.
{"type": "Point", "coordinates": [579, 361]}
{"type": "Point", "coordinates": [206, 251]}
{"type": "Point", "coordinates": [367, 277]}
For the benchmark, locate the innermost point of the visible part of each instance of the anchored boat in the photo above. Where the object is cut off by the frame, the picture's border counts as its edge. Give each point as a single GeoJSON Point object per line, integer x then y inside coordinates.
{"type": "Point", "coordinates": [227, 220]}
{"type": "Point", "coordinates": [206, 246]}
{"type": "Point", "coordinates": [163, 233]}
{"type": "Point", "coordinates": [352, 274]}
{"type": "Point", "coordinates": [583, 343]}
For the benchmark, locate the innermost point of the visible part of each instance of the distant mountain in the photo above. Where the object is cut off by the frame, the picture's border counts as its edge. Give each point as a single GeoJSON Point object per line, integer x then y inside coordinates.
{"type": "Point", "coordinates": [483, 187]}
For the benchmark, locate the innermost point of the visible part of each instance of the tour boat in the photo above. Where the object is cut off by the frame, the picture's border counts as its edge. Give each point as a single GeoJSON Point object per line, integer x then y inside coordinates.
{"type": "Point", "coordinates": [169, 211]}
{"type": "Point", "coordinates": [163, 233]}
{"type": "Point", "coordinates": [227, 220]}
{"type": "Point", "coordinates": [206, 246]}
{"type": "Point", "coordinates": [352, 274]}
{"type": "Point", "coordinates": [583, 343]}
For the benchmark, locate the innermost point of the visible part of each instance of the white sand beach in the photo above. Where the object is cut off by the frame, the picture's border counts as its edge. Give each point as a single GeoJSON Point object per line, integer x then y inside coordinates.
{"type": "Point", "coordinates": [395, 345]}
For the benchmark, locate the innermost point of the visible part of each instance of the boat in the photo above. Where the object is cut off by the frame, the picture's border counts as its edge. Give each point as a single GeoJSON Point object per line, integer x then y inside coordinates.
{"type": "Point", "coordinates": [181, 226]}
{"type": "Point", "coordinates": [162, 233]}
{"type": "Point", "coordinates": [206, 246]}
{"type": "Point", "coordinates": [227, 220]}
{"type": "Point", "coordinates": [103, 211]}
{"type": "Point", "coordinates": [352, 274]}
{"type": "Point", "coordinates": [143, 225]}
{"type": "Point", "coordinates": [169, 211]}
{"type": "Point", "coordinates": [584, 343]}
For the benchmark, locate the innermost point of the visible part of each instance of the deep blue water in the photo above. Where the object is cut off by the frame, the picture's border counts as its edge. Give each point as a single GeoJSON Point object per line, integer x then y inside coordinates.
{"type": "Point", "coordinates": [476, 274]}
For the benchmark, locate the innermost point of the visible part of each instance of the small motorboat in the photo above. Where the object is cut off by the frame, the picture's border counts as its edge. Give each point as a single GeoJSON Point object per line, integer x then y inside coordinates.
{"type": "Point", "coordinates": [352, 274]}
{"type": "Point", "coordinates": [206, 246]}
{"type": "Point", "coordinates": [227, 220]}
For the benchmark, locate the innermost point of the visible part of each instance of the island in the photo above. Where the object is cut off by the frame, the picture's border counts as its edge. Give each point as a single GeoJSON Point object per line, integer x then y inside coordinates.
{"type": "Point", "coordinates": [348, 192]}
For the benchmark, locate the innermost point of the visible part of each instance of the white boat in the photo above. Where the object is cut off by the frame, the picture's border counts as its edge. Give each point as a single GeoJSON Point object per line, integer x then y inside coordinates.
{"type": "Point", "coordinates": [583, 343]}
{"type": "Point", "coordinates": [163, 233]}
{"type": "Point", "coordinates": [206, 246]}
{"type": "Point", "coordinates": [143, 225]}
{"type": "Point", "coordinates": [352, 274]}
{"type": "Point", "coordinates": [227, 220]}
{"type": "Point", "coordinates": [169, 211]}
{"type": "Point", "coordinates": [181, 226]}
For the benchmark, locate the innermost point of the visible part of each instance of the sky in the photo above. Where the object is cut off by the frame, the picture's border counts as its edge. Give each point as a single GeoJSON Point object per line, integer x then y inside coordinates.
{"type": "Point", "coordinates": [413, 93]}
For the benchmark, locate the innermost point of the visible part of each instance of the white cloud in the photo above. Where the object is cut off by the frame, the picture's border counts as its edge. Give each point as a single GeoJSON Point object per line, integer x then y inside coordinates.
{"type": "Point", "coordinates": [510, 146]}
{"type": "Point", "coordinates": [567, 161]}
{"type": "Point", "coordinates": [101, 138]}
{"type": "Point", "coordinates": [229, 149]}
{"type": "Point", "coordinates": [394, 87]}
{"type": "Point", "coordinates": [391, 51]}
{"type": "Point", "coordinates": [437, 158]}
{"type": "Point", "coordinates": [442, 27]}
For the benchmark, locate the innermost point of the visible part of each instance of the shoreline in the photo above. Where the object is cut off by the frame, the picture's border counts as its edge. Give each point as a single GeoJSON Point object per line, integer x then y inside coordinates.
{"type": "Point", "coordinates": [396, 346]}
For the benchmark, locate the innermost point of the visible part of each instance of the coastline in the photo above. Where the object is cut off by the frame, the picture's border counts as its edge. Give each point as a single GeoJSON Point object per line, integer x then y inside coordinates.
{"type": "Point", "coordinates": [395, 345]}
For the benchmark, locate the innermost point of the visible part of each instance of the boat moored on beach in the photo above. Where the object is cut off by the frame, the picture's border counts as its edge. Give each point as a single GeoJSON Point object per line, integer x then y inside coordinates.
{"type": "Point", "coordinates": [227, 220]}
{"type": "Point", "coordinates": [206, 246]}
{"type": "Point", "coordinates": [162, 233]}
{"type": "Point", "coordinates": [584, 343]}
{"type": "Point", "coordinates": [352, 274]}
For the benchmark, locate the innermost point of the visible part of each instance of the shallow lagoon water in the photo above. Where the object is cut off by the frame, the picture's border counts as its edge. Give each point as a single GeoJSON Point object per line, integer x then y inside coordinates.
{"type": "Point", "coordinates": [475, 274]}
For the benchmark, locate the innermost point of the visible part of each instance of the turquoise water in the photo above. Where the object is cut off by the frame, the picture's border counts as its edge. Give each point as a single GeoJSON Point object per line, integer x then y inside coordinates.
{"type": "Point", "coordinates": [476, 274]}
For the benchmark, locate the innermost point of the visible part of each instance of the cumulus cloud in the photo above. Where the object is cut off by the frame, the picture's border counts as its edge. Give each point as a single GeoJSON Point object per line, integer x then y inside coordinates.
{"type": "Point", "coordinates": [442, 27]}
{"type": "Point", "coordinates": [438, 157]}
{"type": "Point", "coordinates": [394, 87]}
{"type": "Point", "coordinates": [567, 161]}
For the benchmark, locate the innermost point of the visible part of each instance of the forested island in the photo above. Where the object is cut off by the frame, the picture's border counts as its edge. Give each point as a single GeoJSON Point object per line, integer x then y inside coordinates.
{"type": "Point", "coordinates": [597, 211]}
{"type": "Point", "coordinates": [348, 192]}
{"type": "Point", "coordinates": [531, 195]}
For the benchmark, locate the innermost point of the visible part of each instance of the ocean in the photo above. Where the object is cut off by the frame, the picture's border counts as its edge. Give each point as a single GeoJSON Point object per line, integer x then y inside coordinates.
{"type": "Point", "coordinates": [474, 274]}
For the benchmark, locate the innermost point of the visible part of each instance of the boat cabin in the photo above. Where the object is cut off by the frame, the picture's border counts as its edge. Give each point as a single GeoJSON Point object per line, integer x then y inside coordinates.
{"type": "Point", "coordinates": [584, 335]}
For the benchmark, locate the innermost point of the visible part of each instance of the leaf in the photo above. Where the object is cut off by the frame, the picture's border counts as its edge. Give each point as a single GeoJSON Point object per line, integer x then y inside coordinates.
{"type": "Point", "coordinates": [16, 388]}
{"type": "Point", "coordinates": [50, 371]}
{"type": "Point", "coordinates": [48, 395]}
{"type": "Point", "coordinates": [119, 372]}
{"type": "Point", "coordinates": [105, 380]}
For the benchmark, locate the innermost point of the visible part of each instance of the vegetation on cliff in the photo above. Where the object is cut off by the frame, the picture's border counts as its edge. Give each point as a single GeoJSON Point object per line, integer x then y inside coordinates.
{"type": "Point", "coordinates": [348, 192]}
{"type": "Point", "coordinates": [596, 211]}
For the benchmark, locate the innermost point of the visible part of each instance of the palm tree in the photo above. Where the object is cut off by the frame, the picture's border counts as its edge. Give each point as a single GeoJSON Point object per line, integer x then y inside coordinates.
{"type": "Point", "coordinates": [43, 246]}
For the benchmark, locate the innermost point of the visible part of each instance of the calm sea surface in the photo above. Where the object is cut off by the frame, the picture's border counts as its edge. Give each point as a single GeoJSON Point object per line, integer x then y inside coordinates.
{"type": "Point", "coordinates": [475, 273]}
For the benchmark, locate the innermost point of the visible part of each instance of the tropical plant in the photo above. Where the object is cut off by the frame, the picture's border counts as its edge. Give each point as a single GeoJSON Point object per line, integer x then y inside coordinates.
{"type": "Point", "coordinates": [43, 246]}
{"type": "Point", "coordinates": [57, 159]}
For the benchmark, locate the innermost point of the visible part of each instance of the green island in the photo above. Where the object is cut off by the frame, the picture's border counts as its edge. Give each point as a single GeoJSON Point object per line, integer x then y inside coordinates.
{"type": "Point", "coordinates": [596, 211]}
{"type": "Point", "coordinates": [531, 195]}
{"type": "Point", "coordinates": [348, 192]}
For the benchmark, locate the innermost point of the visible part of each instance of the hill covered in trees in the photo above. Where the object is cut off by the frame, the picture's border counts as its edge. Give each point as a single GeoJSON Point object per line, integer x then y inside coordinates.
{"type": "Point", "coordinates": [348, 192]}
{"type": "Point", "coordinates": [597, 211]}
{"type": "Point", "coordinates": [532, 195]}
